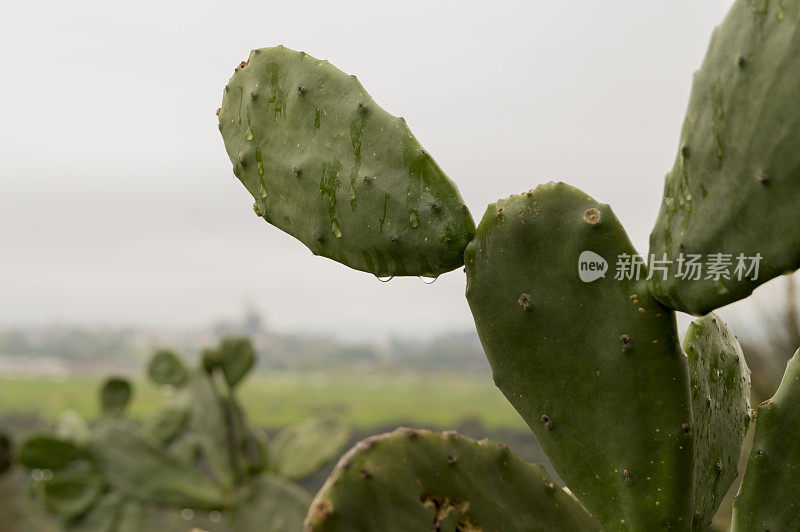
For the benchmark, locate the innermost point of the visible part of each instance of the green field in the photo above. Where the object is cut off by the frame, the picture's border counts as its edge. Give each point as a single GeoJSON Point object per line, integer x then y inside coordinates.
{"type": "Point", "coordinates": [276, 400]}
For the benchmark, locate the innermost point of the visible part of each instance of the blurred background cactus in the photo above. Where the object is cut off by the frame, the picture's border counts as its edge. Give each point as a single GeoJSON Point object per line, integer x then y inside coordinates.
{"type": "Point", "coordinates": [197, 459]}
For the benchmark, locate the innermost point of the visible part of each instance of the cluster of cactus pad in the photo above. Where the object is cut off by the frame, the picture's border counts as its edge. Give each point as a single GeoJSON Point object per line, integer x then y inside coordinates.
{"type": "Point", "coordinates": [646, 430]}
{"type": "Point", "coordinates": [198, 453]}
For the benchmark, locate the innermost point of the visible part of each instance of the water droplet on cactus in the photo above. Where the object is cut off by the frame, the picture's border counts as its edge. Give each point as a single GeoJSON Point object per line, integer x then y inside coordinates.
{"type": "Point", "coordinates": [413, 220]}
{"type": "Point", "coordinates": [385, 278]}
{"type": "Point", "coordinates": [249, 134]}
{"type": "Point", "coordinates": [335, 229]}
{"type": "Point", "coordinates": [427, 280]}
{"type": "Point", "coordinates": [263, 191]}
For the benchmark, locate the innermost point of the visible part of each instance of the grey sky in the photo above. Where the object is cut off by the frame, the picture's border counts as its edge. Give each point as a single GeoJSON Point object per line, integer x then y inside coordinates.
{"type": "Point", "coordinates": [117, 202]}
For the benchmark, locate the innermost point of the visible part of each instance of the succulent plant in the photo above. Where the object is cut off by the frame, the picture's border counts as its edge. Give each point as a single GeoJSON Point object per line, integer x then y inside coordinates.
{"type": "Point", "coordinates": [198, 453]}
{"type": "Point", "coordinates": [646, 431]}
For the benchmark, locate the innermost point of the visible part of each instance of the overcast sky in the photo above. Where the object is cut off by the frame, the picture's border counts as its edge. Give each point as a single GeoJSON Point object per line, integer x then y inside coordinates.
{"type": "Point", "coordinates": [117, 202]}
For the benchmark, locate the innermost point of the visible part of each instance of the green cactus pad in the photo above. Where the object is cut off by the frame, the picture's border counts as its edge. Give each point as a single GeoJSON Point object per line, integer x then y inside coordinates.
{"type": "Point", "coordinates": [720, 381]}
{"type": "Point", "coordinates": [734, 187]}
{"type": "Point", "coordinates": [115, 394]}
{"type": "Point", "coordinates": [299, 450]}
{"type": "Point", "coordinates": [768, 499]}
{"type": "Point", "coordinates": [208, 421]}
{"type": "Point", "coordinates": [112, 513]}
{"type": "Point", "coordinates": [71, 494]}
{"type": "Point", "coordinates": [166, 368]}
{"type": "Point", "coordinates": [236, 358]}
{"type": "Point", "coordinates": [48, 452]}
{"type": "Point", "coordinates": [420, 480]}
{"type": "Point", "coordinates": [594, 367]}
{"type": "Point", "coordinates": [137, 466]}
{"type": "Point", "coordinates": [271, 504]}
{"type": "Point", "coordinates": [169, 422]}
{"type": "Point", "coordinates": [328, 166]}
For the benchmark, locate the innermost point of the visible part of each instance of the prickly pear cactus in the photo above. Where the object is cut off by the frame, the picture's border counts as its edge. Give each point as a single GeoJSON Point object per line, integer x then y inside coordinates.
{"type": "Point", "coordinates": [594, 367]}
{"type": "Point", "coordinates": [734, 190]}
{"type": "Point", "coordinates": [720, 381]}
{"type": "Point", "coordinates": [167, 368]}
{"type": "Point", "coordinates": [137, 466]}
{"type": "Point", "coordinates": [420, 480]}
{"type": "Point", "coordinates": [236, 357]}
{"type": "Point", "coordinates": [115, 394]}
{"type": "Point", "coordinates": [299, 450]}
{"type": "Point", "coordinates": [328, 166]}
{"type": "Point", "coordinates": [767, 499]}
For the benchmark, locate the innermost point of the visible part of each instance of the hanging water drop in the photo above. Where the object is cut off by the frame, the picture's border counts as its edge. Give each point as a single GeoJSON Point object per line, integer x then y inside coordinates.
{"type": "Point", "coordinates": [427, 280]}
{"type": "Point", "coordinates": [335, 229]}
{"type": "Point", "coordinates": [249, 134]}
{"type": "Point", "coordinates": [263, 191]}
{"type": "Point", "coordinates": [413, 220]}
{"type": "Point", "coordinates": [385, 278]}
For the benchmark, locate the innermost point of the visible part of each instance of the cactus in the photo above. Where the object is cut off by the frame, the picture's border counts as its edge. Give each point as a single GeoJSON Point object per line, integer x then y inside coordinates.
{"type": "Point", "coordinates": [420, 480]}
{"type": "Point", "coordinates": [72, 493]}
{"type": "Point", "coordinates": [621, 367]}
{"type": "Point", "coordinates": [115, 394]}
{"type": "Point", "coordinates": [720, 385]}
{"type": "Point", "coordinates": [647, 436]}
{"type": "Point", "coordinates": [767, 498]}
{"type": "Point", "coordinates": [198, 452]}
{"type": "Point", "coordinates": [300, 450]}
{"type": "Point", "coordinates": [328, 166]}
{"type": "Point", "coordinates": [271, 505]}
{"type": "Point", "coordinates": [169, 422]}
{"type": "Point", "coordinates": [166, 368]}
{"type": "Point", "coordinates": [733, 189]}
{"type": "Point", "coordinates": [235, 357]}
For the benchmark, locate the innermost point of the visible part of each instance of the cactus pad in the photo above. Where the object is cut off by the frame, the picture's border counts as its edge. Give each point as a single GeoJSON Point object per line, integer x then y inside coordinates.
{"type": "Point", "coordinates": [139, 467]}
{"type": "Point", "coordinates": [299, 450]}
{"type": "Point", "coordinates": [420, 480]}
{"type": "Point", "coordinates": [328, 166]}
{"type": "Point", "coordinates": [236, 358]}
{"type": "Point", "coordinates": [720, 381]}
{"type": "Point", "coordinates": [48, 452]}
{"type": "Point", "coordinates": [593, 366]}
{"type": "Point", "coordinates": [166, 368]}
{"type": "Point", "coordinates": [115, 394]}
{"type": "Point", "coordinates": [767, 499]}
{"type": "Point", "coordinates": [734, 189]}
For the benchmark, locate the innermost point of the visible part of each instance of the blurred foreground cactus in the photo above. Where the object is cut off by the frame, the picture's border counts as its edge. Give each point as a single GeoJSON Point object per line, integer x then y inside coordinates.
{"type": "Point", "coordinates": [646, 431]}
{"type": "Point", "coordinates": [197, 454]}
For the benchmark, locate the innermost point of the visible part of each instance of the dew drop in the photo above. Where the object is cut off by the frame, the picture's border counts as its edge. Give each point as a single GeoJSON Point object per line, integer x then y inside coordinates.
{"type": "Point", "coordinates": [427, 280]}
{"type": "Point", "coordinates": [414, 220]}
{"type": "Point", "coordinates": [335, 229]}
{"type": "Point", "coordinates": [249, 134]}
{"type": "Point", "coordinates": [385, 278]}
{"type": "Point", "coordinates": [263, 191]}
